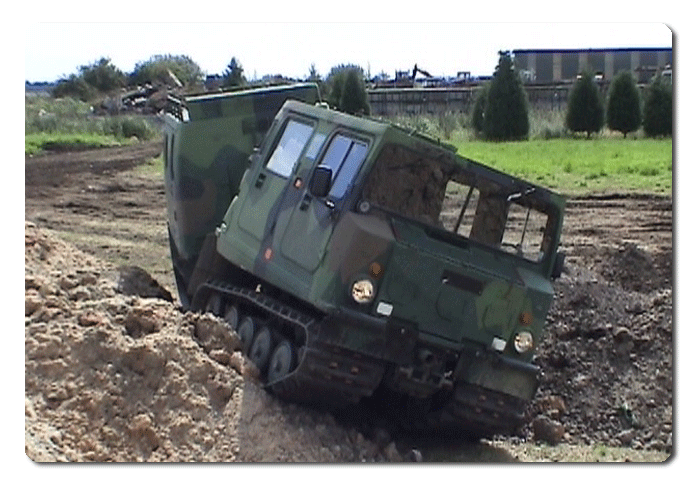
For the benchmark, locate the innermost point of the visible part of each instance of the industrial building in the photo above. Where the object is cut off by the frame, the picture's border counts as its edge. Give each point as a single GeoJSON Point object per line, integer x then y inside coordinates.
{"type": "Point", "coordinates": [550, 66]}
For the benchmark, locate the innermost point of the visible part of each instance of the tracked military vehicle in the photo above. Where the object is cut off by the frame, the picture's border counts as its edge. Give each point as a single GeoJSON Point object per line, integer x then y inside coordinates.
{"type": "Point", "coordinates": [361, 260]}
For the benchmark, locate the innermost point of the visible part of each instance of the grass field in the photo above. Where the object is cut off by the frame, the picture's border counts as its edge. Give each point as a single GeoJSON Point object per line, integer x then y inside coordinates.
{"type": "Point", "coordinates": [67, 124]}
{"type": "Point", "coordinates": [552, 158]}
{"type": "Point", "coordinates": [577, 166]}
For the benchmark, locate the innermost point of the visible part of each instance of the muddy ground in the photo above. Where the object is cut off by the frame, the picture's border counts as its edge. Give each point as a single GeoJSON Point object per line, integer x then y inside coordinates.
{"type": "Point", "coordinates": [110, 376]}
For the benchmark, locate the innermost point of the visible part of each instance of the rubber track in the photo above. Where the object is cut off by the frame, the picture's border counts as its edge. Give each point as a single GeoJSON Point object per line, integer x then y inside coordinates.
{"type": "Point", "coordinates": [485, 411]}
{"type": "Point", "coordinates": [325, 374]}
{"type": "Point", "coordinates": [328, 375]}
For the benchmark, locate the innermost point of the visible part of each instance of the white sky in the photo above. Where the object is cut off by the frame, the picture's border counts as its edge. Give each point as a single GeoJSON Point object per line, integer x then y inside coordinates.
{"type": "Point", "coordinates": [55, 50]}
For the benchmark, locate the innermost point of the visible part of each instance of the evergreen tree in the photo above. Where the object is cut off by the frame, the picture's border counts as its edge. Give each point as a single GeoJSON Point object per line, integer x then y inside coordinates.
{"type": "Point", "coordinates": [506, 116]}
{"type": "Point", "coordinates": [233, 76]}
{"type": "Point", "coordinates": [658, 109]}
{"type": "Point", "coordinates": [353, 98]}
{"type": "Point", "coordinates": [335, 82]}
{"type": "Point", "coordinates": [624, 105]}
{"type": "Point", "coordinates": [585, 108]}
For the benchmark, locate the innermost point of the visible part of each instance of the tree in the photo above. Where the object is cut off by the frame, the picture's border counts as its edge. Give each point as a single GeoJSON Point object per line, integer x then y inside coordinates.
{"type": "Point", "coordinates": [167, 70]}
{"type": "Point", "coordinates": [313, 74]}
{"type": "Point", "coordinates": [506, 115]}
{"type": "Point", "coordinates": [335, 84]}
{"type": "Point", "coordinates": [103, 75]}
{"type": "Point", "coordinates": [585, 111]}
{"type": "Point", "coordinates": [233, 76]}
{"type": "Point", "coordinates": [480, 108]}
{"type": "Point", "coordinates": [353, 98]}
{"type": "Point", "coordinates": [658, 108]}
{"type": "Point", "coordinates": [624, 104]}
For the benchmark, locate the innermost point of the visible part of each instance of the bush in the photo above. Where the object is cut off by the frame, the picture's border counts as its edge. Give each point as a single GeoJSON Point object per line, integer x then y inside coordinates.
{"type": "Point", "coordinates": [506, 115]}
{"type": "Point", "coordinates": [624, 105]}
{"type": "Point", "coordinates": [658, 109]}
{"type": "Point", "coordinates": [100, 77]}
{"type": "Point", "coordinates": [74, 87]}
{"type": "Point", "coordinates": [585, 108]}
{"type": "Point", "coordinates": [127, 127]}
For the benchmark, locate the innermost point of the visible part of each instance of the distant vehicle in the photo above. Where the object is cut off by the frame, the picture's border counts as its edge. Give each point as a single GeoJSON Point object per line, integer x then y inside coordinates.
{"type": "Point", "coordinates": [357, 259]}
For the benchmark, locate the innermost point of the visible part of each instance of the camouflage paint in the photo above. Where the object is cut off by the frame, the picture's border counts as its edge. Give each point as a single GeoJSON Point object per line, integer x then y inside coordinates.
{"type": "Point", "coordinates": [438, 290]}
{"type": "Point", "coordinates": [208, 141]}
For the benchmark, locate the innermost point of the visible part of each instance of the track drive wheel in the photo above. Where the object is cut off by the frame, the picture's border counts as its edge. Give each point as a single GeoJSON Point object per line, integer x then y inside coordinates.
{"type": "Point", "coordinates": [281, 362]}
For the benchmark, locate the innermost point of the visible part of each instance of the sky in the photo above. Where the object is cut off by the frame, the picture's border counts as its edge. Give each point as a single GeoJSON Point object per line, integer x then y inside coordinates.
{"type": "Point", "coordinates": [55, 49]}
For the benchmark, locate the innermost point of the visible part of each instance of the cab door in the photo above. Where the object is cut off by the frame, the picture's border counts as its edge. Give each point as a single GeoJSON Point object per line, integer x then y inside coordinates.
{"type": "Point", "coordinates": [268, 186]}
{"type": "Point", "coordinates": [311, 224]}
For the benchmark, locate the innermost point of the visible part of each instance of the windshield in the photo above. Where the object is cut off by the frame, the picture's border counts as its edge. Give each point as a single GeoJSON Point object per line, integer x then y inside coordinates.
{"type": "Point", "coordinates": [461, 201]}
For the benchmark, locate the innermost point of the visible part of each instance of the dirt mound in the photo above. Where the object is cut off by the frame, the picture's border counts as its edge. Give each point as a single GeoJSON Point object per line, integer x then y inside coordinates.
{"type": "Point", "coordinates": [115, 377]}
{"type": "Point", "coordinates": [607, 354]}
{"type": "Point", "coordinates": [637, 270]}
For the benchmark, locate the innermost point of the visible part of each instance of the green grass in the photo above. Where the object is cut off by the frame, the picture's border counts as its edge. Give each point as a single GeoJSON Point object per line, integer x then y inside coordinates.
{"type": "Point", "coordinates": [35, 143]}
{"type": "Point", "coordinates": [578, 166]}
{"type": "Point", "coordinates": [68, 124]}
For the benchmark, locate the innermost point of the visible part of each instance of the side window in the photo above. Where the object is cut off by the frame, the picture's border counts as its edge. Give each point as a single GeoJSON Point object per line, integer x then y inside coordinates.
{"type": "Point", "coordinates": [345, 156]}
{"type": "Point", "coordinates": [292, 142]}
{"type": "Point", "coordinates": [459, 208]}
{"type": "Point", "coordinates": [525, 228]}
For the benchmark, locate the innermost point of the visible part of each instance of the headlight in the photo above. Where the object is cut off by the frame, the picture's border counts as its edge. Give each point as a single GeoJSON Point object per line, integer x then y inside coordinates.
{"type": "Point", "coordinates": [523, 342]}
{"type": "Point", "coordinates": [362, 291]}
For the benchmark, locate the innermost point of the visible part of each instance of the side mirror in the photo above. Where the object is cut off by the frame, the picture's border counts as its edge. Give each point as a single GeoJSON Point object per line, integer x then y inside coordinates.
{"type": "Point", "coordinates": [558, 265]}
{"type": "Point", "coordinates": [320, 183]}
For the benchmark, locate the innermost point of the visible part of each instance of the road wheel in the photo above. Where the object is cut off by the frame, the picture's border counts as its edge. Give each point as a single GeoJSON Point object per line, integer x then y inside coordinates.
{"type": "Point", "coordinates": [214, 304]}
{"type": "Point", "coordinates": [232, 317]}
{"type": "Point", "coordinates": [261, 348]}
{"type": "Point", "coordinates": [281, 362]}
{"type": "Point", "coordinates": [246, 331]}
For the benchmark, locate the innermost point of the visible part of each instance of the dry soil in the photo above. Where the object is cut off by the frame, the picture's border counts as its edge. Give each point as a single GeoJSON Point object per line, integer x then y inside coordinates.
{"type": "Point", "coordinates": [114, 371]}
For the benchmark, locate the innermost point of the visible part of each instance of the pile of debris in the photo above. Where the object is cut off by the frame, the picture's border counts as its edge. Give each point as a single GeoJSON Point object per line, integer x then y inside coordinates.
{"type": "Point", "coordinates": [114, 374]}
